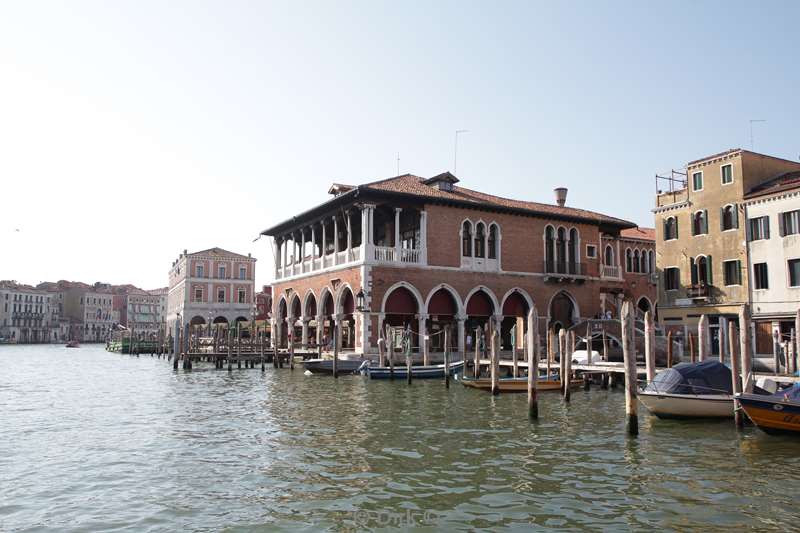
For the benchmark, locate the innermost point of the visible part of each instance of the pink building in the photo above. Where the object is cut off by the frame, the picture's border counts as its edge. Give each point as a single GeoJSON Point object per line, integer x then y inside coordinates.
{"type": "Point", "coordinates": [212, 285]}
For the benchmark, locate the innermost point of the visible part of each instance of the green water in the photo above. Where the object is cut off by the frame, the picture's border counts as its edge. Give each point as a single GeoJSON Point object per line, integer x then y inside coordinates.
{"type": "Point", "coordinates": [94, 441]}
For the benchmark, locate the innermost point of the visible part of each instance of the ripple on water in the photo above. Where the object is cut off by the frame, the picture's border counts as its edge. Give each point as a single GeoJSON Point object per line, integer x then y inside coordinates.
{"type": "Point", "coordinates": [96, 441]}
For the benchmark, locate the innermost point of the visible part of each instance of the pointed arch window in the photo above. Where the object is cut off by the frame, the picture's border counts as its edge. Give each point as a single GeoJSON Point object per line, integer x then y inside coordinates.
{"type": "Point", "coordinates": [480, 240]}
{"type": "Point", "coordinates": [561, 250]}
{"type": "Point", "coordinates": [549, 248]}
{"type": "Point", "coordinates": [636, 260]}
{"type": "Point", "coordinates": [628, 260]}
{"type": "Point", "coordinates": [493, 241]}
{"type": "Point", "coordinates": [670, 229]}
{"type": "Point", "coordinates": [466, 239]}
{"type": "Point", "coordinates": [608, 258]}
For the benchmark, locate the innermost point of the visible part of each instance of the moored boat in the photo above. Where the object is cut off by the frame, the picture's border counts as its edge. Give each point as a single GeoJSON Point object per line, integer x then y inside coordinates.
{"type": "Point", "coordinates": [73, 344]}
{"type": "Point", "coordinates": [417, 372]}
{"type": "Point", "coordinates": [325, 366]}
{"type": "Point", "coordinates": [517, 384]}
{"type": "Point", "coordinates": [690, 390]}
{"type": "Point", "coordinates": [777, 413]}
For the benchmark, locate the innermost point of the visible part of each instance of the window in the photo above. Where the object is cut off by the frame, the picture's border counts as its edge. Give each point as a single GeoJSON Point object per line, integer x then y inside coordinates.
{"type": "Point", "coordinates": [697, 181]}
{"type": "Point", "coordinates": [242, 272]}
{"type": "Point", "coordinates": [670, 229]}
{"type": "Point", "coordinates": [733, 272]}
{"type": "Point", "coordinates": [221, 295]}
{"type": "Point", "coordinates": [701, 270]}
{"type": "Point", "coordinates": [794, 272]}
{"type": "Point", "coordinates": [727, 174]}
{"type": "Point", "coordinates": [628, 260]}
{"type": "Point", "coordinates": [222, 271]}
{"type": "Point", "coordinates": [466, 239]}
{"type": "Point", "coordinates": [761, 276]}
{"type": "Point", "coordinates": [480, 244]}
{"type": "Point", "coordinates": [240, 296]}
{"type": "Point", "coordinates": [728, 218]}
{"type": "Point", "coordinates": [672, 279]}
{"type": "Point", "coordinates": [200, 271]}
{"type": "Point", "coordinates": [790, 223]}
{"type": "Point", "coordinates": [549, 247]}
{"type": "Point", "coordinates": [700, 223]}
{"type": "Point", "coordinates": [493, 241]}
{"type": "Point", "coordinates": [759, 228]}
{"type": "Point", "coordinates": [591, 251]}
{"type": "Point", "coordinates": [636, 261]}
{"type": "Point", "coordinates": [609, 256]}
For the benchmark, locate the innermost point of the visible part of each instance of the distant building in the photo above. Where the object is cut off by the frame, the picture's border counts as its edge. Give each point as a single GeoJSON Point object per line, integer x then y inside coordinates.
{"type": "Point", "coordinates": [212, 285]}
{"type": "Point", "coordinates": [142, 311]}
{"type": "Point", "coordinates": [27, 314]}
{"type": "Point", "coordinates": [772, 212]}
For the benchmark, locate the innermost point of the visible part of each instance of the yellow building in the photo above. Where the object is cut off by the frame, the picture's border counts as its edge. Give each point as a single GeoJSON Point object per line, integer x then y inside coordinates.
{"type": "Point", "coordinates": [701, 252]}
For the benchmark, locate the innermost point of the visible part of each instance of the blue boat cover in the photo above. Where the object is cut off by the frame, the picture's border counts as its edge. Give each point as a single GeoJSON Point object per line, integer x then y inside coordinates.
{"type": "Point", "coordinates": [791, 393]}
{"type": "Point", "coordinates": [706, 377]}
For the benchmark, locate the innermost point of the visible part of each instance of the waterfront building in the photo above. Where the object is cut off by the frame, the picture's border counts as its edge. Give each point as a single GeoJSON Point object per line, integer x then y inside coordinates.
{"type": "Point", "coordinates": [772, 214]}
{"type": "Point", "coordinates": [701, 235]}
{"type": "Point", "coordinates": [428, 253]}
{"type": "Point", "coordinates": [142, 311]}
{"type": "Point", "coordinates": [210, 286]}
{"type": "Point", "coordinates": [27, 314]}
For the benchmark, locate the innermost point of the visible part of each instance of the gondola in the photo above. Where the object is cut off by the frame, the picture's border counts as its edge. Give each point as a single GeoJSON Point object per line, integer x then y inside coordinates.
{"type": "Point", "coordinates": [518, 384]}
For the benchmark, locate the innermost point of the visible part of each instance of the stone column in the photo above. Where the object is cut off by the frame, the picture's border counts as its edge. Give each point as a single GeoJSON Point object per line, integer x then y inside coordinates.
{"type": "Point", "coordinates": [302, 250]}
{"type": "Point", "coordinates": [285, 246]}
{"type": "Point", "coordinates": [289, 330]}
{"type": "Point", "coordinates": [423, 232]}
{"type": "Point", "coordinates": [313, 245]}
{"type": "Point", "coordinates": [397, 211]}
{"type": "Point", "coordinates": [304, 340]}
{"type": "Point", "coordinates": [349, 253]}
{"type": "Point", "coordinates": [337, 324]}
{"type": "Point", "coordinates": [362, 332]}
{"type": "Point", "coordinates": [423, 343]}
{"type": "Point", "coordinates": [323, 245]}
{"type": "Point", "coordinates": [335, 240]}
{"type": "Point", "coordinates": [366, 231]}
{"type": "Point", "coordinates": [320, 327]}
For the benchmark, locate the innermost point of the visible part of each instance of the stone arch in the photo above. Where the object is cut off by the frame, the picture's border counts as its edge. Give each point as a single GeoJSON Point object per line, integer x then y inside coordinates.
{"type": "Point", "coordinates": [644, 304]}
{"type": "Point", "coordinates": [562, 310]}
{"type": "Point", "coordinates": [453, 293]}
{"type": "Point", "coordinates": [197, 320]}
{"type": "Point", "coordinates": [489, 294]}
{"type": "Point", "coordinates": [295, 308]}
{"type": "Point", "coordinates": [421, 304]}
{"type": "Point", "coordinates": [345, 307]}
{"type": "Point", "coordinates": [515, 307]}
{"type": "Point", "coordinates": [518, 290]}
{"type": "Point", "coordinates": [326, 305]}
{"type": "Point", "coordinates": [309, 304]}
{"type": "Point", "coordinates": [443, 307]}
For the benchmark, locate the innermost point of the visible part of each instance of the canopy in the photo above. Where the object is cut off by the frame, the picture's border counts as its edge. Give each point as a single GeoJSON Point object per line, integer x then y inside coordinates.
{"type": "Point", "coordinates": [707, 377]}
{"type": "Point", "coordinates": [791, 394]}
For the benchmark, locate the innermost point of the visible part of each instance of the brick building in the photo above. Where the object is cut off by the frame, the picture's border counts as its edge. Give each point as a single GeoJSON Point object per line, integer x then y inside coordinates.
{"type": "Point", "coordinates": [427, 253]}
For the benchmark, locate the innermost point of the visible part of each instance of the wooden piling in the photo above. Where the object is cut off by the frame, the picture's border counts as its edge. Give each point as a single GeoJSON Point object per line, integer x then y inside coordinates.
{"type": "Point", "coordinates": [649, 346]}
{"type": "Point", "coordinates": [566, 378]}
{"type": "Point", "coordinates": [495, 340]}
{"type": "Point", "coordinates": [776, 360]}
{"type": "Point", "coordinates": [792, 356]}
{"type": "Point", "coordinates": [230, 351]}
{"type": "Point", "coordinates": [476, 369]}
{"type": "Point", "coordinates": [702, 338]}
{"type": "Point", "coordinates": [562, 351]}
{"type": "Point", "coordinates": [381, 343]}
{"type": "Point", "coordinates": [335, 337]}
{"type": "Point", "coordinates": [692, 356]}
{"type": "Point", "coordinates": [514, 363]}
{"type": "Point", "coordinates": [744, 347]}
{"type": "Point", "coordinates": [629, 360]}
{"type": "Point", "coordinates": [589, 350]}
{"type": "Point", "coordinates": [605, 345]}
{"type": "Point", "coordinates": [533, 363]}
{"type": "Point", "coordinates": [291, 352]}
{"type": "Point", "coordinates": [551, 350]}
{"type": "Point", "coordinates": [263, 368]}
{"type": "Point", "coordinates": [426, 356]}
{"type": "Point", "coordinates": [390, 352]}
{"type": "Point", "coordinates": [669, 349]}
{"type": "Point", "coordinates": [736, 386]}
{"type": "Point", "coordinates": [723, 332]}
{"type": "Point", "coordinates": [446, 360]}
{"type": "Point", "coordinates": [407, 349]}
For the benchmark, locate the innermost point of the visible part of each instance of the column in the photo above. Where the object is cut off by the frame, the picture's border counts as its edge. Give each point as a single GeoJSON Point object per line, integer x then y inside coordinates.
{"type": "Point", "coordinates": [397, 211]}
{"type": "Point", "coordinates": [462, 347]}
{"type": "Point", "coordinates": [364, 320]}
{"type": "Point", "coordinates": [274, 332]}
{"type": "Point", "coordinates": [276, 256]}
{"type": "Point", "coordinates": [303, 250]}
{"type": "Point", "coordinates": [323, 244]}
{"type": "Point", "coordinates": [423, 342]}
{"type": "Point", "coordinates": [723, 337]}
{"type": "Point", "coordinates": [284, 252]}
{"type": "Point", "coordinates": [290, 320]}
{"type": "Point", "coordinates": [366, 232]}
{"type": "Point", "coordinates": [423, 232]}
{"type": "Point", "coordinates": [335, 240]}
{"type": "Point", "coordinates": [313, 246]}
{"type": "Point", "coordinates": [349, 254]}
{"type": "Point", "coordinates": [320, 327]}
{"type": "Point", "coordinates": [304, 340]}
{"type": "Point", "coordinates": [337, 326]}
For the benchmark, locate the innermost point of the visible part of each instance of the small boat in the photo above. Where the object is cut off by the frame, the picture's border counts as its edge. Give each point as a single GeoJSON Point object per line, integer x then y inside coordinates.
{"type": "Point", "coordinates": [417, 372]}
{"type": "Point", "coordinates": [518, 384]}
{"type": "Point", "coordinates": [73, 344]}
{"type": "Point", "coordinates": [325, 366]}
{"type": "Point", "coordinates": [690, 390]}
{"type": "Point", "coordinates": [777, 413]}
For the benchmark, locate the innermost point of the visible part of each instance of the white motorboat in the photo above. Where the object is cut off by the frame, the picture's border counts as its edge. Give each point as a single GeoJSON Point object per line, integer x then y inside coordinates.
{"type": "Point", "coordinates": [690, 390]}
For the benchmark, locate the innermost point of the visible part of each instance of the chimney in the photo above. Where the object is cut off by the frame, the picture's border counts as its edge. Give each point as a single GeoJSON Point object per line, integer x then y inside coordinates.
{"type": "Point", "coordinates": [561, 195]}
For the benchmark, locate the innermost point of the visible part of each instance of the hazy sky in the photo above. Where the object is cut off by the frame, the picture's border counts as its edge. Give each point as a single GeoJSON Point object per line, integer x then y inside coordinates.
{"type": "Point", "coordinates": [132, 130]}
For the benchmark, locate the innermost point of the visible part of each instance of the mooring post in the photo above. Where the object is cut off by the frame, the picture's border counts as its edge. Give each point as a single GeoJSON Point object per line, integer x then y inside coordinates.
{"type": "Point", "coordinates": [476, 369]}
{"type": "Point", "coordinates": [514, 363]}
{"type": "Point", "coordinates": [551, 350]}
{"type": "Point", "coordinates": [797, 335]}
{"type": "Point", "coordinates": [426, 355]}
{"type": "Point", "coordinates": [605, 345]}
{"type": "Point", "coordinates": [747, 354]}
{"type": "Point", "coordinates": [407, 349]}
{"type": "Point", "coordinates": [692, 356]}
{"type": "Point", "coordinates": [238, 347]}
{"type": "Point", "coordinates": [723, 332]}
{"type": "Point", "coordinates": [495, 340]}
{"type": "Point", "coordinates": [649, 346]}
{"type": "Point", "coordinates": [335, 338]}
{"type": "Point", "coordinates": [230, 351]}
{"type": "Point", "coordinates": [589, 350]}
{"type": "Point", "coordinates": [792, 355]}
{"type": "Point", "coordinates": [291, 353]}
{"type": "Point", "coordinates": [533, 363]}
{"type": "Point", "coordinates": [562, 352]}
{"type": "Point", "coordinates": [263, 368]}
{"type": "Point", "coordinates": [446, 356]}
{"type": "Point", "coordinates": [381, 342]}
{"type": "Point", "coordinates": [703, 341]}
{"type": "Point", "coordinates": [776, 360]}
{"type": "Point", "coordinates": [629, 359]}
{"type": "Point", "coordinates": [567, 379]}
{"type": "Point", "coordinates": [390, 353]}
{"type": "Point", "coordinates": [737, 388]}
{"type": "Point", "coordinates": [669, 349]}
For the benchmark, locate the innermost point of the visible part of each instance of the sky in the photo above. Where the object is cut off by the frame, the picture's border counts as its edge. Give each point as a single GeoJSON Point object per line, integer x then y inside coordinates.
{"type": "Point", "coordinates": [130, 131]}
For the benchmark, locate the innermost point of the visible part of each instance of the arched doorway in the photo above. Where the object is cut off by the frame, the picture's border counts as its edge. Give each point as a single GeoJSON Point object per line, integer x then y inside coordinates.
{"type": "Point", "coordinates": [515, 310]}
{"type": "Point", "coordinates": [442, 311]}
{"type": "Point", "coordinates": [400, 310]}
{"type": "Point", "coordinates": [280, 323]}
{"type": "Point", "coordinates": [310, 318]}
{"type": "Point", "coordinates": [196, 324]}
{"type": "Point", "coordinates": [220, 327]}
{"type": "Point", "coordinates": [296, 325]}
{"type": "Point", "coordinates": [480, 309]}
{"type": "Point", "coordinates": [644, 305]}
{"type": "Point", "coordinates": [562, 311]}
{"type": "Point", "coordinates": [348, 328]}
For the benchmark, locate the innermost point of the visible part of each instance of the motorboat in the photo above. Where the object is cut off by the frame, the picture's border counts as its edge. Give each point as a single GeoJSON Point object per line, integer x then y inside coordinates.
{"type": "Point", "coordinates": [518, 384]}
{"type": "Point", "coordinates": [325, 366]}
{"type": "Point", "coordinates": [690, 390]}
{"type": "Point", "coordinates": [417, 372]}
{"type": "Point", "coordinates": [777, 413]}
{"type": "Point", "coordinates": [73, 344]}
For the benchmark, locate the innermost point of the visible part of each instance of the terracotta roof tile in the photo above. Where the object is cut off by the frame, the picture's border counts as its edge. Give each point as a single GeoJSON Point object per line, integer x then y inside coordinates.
{"type": "Point", "coordinates": [646, 234]}
{"type": "Point", "coordinates": [779, 183]}
{"type": "Point", "coordinates": [219, 252]}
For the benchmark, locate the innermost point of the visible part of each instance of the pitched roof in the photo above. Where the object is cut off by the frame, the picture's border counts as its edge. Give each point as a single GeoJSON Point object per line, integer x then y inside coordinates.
{"type": "Point", "coordinates": [782, 182]}
{"type": "Point", "coordinates": [415, 186]}
{"type": "Point", "coordinates": [644, 234]}
{"type": "Point", "coordinates": [219, 252]}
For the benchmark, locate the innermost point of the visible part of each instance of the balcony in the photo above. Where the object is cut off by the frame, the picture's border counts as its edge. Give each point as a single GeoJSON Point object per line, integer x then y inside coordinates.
{"type": "Point", "coordinates": [384, 254]}
{"type": "Point", "coordinates": [566, 268]}
{"type": "Point", "coordinates": [698, 291]}
{"type": "Point", "coordinates": [610, 271]}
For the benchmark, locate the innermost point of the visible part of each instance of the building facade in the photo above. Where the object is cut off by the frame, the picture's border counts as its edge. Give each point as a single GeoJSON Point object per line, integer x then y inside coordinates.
{"type": "Point", "coordinates": [27, 314]}
{"type": "Point", "coordinates": [701, 235]}
{"type": "Point", "coordinates": [143, 311]}
{"type": "Point", "coordinates": [427, 254]}
{"type": "Point", "coordinates": [772, 212]}
{"type": "Point", "coordinates": [210, 286]}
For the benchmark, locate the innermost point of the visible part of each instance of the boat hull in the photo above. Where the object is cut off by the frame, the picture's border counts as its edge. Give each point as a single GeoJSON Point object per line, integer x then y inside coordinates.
{"type": "Point", "coordinates": [417, 372]}
{"type": "Point", "coordinates": [325, 366]}
{"type": "Point", "coordinates": [771, 415]}
{"type": "Point", "coordinates": [517, 384]}
{"type": "Point", "coordinates": [687, 405]}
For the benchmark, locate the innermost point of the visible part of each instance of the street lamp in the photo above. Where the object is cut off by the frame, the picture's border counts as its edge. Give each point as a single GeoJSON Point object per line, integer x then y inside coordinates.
{"type": "Point", "coordinates": [360, 302]}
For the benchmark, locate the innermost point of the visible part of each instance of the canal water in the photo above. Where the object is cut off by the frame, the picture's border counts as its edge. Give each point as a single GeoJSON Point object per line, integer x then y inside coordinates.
{"type": "Point", "coordinates": [94, 441]}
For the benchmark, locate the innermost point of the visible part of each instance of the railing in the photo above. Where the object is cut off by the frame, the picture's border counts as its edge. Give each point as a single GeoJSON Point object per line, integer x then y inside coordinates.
{"type": "Point", "coordinates": [698, 290]}
{"type": "Point", "coordinates": [563, 267]}
{"type": "Point", "coordinates": [653, 278]}
{"type": "Point", "coordinates": [384, 253]}
{"type": "Point", "coordinates": [341, 257]}
{"type": "Point", "coordinates": [610, 271]}
{"type": "Point", "coordinates": [409, 255]}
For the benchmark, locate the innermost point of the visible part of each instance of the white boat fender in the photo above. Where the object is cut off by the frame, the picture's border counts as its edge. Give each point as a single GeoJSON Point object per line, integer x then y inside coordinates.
{"type": "Point", "coordinates": [307, 373]}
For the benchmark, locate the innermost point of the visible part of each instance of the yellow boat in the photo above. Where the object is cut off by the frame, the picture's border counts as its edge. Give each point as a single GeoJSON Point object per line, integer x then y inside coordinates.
{"type": "Point", "coordinates": [776, 413]}
{"type": "Point", "coordinates": [517, 384]}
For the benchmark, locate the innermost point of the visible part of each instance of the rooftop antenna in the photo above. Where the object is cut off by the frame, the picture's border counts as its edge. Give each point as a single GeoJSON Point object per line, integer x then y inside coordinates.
{"type": "Point", "coordinates": [455, 151]}
{"type": "Point", "coordinates": [752, 144]}
{"type": "Point", "coordinates": [398, 164]}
